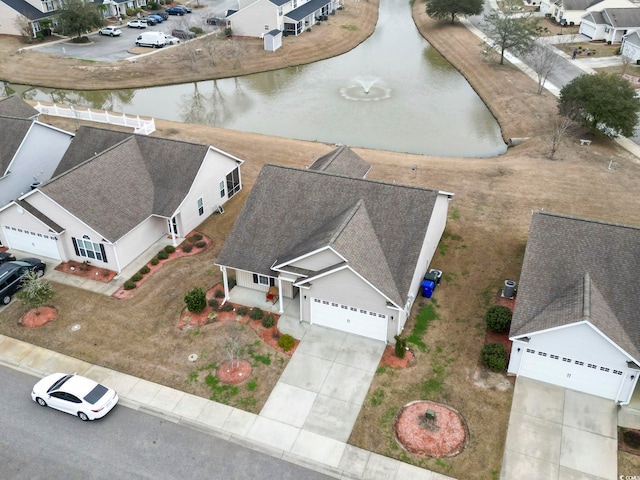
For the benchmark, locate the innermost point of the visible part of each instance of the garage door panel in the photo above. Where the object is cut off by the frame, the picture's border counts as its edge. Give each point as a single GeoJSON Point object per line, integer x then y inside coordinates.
{"type": "Point", "coordinates": [592, 378]}
{"type": "Point", "coordinates": [35, 243]}
{"type": "Point", "coordinates": [349, 319]}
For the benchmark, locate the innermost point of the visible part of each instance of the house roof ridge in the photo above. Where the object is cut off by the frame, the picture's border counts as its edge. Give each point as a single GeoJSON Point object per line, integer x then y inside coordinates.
{"type": "Point", "coordinates": [586, 220]}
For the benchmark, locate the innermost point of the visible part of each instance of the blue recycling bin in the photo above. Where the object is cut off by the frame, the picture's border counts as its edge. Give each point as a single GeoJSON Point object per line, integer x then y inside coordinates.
{"type": "Point", "coordinates": [427, 288]}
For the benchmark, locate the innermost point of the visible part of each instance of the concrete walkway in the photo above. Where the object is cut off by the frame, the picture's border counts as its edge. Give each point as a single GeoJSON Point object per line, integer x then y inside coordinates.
{"type": "Point", "coordinates": [555, 433]}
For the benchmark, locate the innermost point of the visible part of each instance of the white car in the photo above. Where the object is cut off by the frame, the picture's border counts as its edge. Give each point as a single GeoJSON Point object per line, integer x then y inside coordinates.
{"type": "Point", "coordinates": [75, 395]}
{"type": "Point", "coordinates": [137, 23]}
{"type": "Point", "coordinates": [171, 40]}
{"type": "Point", "coordinates": [111, 31]}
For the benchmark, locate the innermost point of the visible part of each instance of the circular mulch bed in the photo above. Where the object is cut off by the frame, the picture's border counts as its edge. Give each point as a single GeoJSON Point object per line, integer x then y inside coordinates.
{"type": "Point", "coordinates": [31, 319]}
{"type": "Point", "coordinates": [446, 438]}
{"type": "Point", "coordinates": [235, 374]}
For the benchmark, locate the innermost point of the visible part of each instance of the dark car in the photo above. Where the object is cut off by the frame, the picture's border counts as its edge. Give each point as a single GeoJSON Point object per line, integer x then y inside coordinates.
{"type": "Point", "coordinates": [12, 273]}
{"type": "Point", "coordinates": [183, 34]}
{"type": "Point", "coordinates": [161, 13]}
{"type": "Point", "coordinates": [183, 7]}
{"type": "Point", "coordinates": [6, 257]}
{"type": "Point", "coordinates": [150, 21]}
{"type": "Point", "coordinates": [175, 11]}
{"type": "Point", "coordinates": [220, 21]}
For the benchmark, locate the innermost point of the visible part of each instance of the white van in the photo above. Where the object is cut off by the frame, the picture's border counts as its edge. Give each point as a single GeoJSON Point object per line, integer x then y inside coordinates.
{"type": "Point", "coordinates": [151, 39]}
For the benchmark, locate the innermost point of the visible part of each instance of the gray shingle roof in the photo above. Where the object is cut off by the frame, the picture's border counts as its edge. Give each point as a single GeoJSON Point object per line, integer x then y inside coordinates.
{"type": "Point", "coordinates": [26, 9]}
{"type": "Point", "coordinates": [579, 4]}
{"type": "Point", "coordinates": [576, 269]}
{"type": "Point", "coordinates": [55, 228]}
{"type": "Point", "coordinates": [12, 133]}
{"type": "Point", "coordinates": [306, 9]}
{"type": "Point", "coordinates": [14, 106]}
{"type": "Point", "coordinates": [342, 161]}
{"type": "Point", "coordinates": [123, 185]}
{"type": "Point", "coordinates": [293, 211]}
{"type": "Point", "coordinates": [622, 17]}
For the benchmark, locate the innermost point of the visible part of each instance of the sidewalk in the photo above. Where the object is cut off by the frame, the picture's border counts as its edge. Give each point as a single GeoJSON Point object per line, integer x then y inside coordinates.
{"type": "Point", "coordinates": [272, 437]}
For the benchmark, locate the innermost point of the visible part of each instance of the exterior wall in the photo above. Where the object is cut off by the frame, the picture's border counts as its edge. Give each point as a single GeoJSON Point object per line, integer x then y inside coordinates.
{"type": "Point", "coordinates": [10, 217]}
{"type": "Point", "coordinates": [545, 7]}
{"type": "Point", "coordinates": [214, 169]}
{"type": "Point", "coordinates": [578, 342]}
{"type": "Point", "coordinates": [319, 260]}
{"type": "Point", "coordinates": [37, 159]}
{"type": "Point", "coordinates": [134, 243]}
{"type": "Point", "coordinates": [590, 29]}
{"type": "Point", "coordinates": [256, 19]}
{"type": "Point", "coordinates": [631, 51]}
{"type": "Point", "coordinates": [7, 20]}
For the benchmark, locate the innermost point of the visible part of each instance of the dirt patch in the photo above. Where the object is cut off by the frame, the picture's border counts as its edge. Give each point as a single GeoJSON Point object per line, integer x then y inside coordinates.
{"type": "Point", "coordinates": [86, 271]}
{"type": "Point", "coordinates": [234, 373]}
{"type": "Point", "coordinates": [38, 317]}
{"type": "Point", "coordinates": [390, 359]}
{"type": "Point", "coordinates": [629, 440]}
{"type": "Point", "coordinates": [446, 436]}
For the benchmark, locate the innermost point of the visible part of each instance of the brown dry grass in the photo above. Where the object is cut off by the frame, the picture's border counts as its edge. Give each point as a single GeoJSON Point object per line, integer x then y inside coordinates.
{"type": "Point", "coordinates": [483, 246]}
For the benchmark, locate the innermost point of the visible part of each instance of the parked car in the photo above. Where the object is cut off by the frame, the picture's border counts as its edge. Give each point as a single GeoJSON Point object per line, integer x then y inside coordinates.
{"type": "Point", "coordinates": [171, 40]}
{"type": "Point", "coordinates": [183, 34]}
{"type": "Point", "coordinates": [183, 7]}
{"type": "Point", "coordinates": [111, 31]}
{"type": "Point", "coordinates": [12, 273]}
{"type": "Point", "coordinates": [6, 256]}
{"type": "Point", "coordinates": [175, 11]}
{"type": "Point", "coordinates": [161, 13]}
{"type": "Point", "coordinates": [150, 21]}
{"type": "Point", "coordinates": [157, 18]}
{"type": "Point", "coordinates": [137, 23]}
{"type": "Point", "coordinates": [220, 21]}
{"type": "Point", "coordinates": [75, 395]}
{"type": "Point", "coordinates": [151, 39]}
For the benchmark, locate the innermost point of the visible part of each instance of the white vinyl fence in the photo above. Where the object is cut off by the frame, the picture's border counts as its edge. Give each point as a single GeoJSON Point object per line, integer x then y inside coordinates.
{"type": "Point", "coordinates": [139, 125]}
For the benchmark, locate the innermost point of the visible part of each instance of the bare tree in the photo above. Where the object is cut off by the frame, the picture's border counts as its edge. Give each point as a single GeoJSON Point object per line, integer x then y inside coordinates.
{"type": "Point", "coordinates": [24, 26]}
{"type": "Point", "coordinates": [625, 63]}
{"type": "Point", "coordinates": [233, 346]}
{"type": "Point", "coordinates": [211, 47]}
{"type": "Point", "coordinates": [543, 60]}
{"type": "Point", "coordinates": [559, 126]}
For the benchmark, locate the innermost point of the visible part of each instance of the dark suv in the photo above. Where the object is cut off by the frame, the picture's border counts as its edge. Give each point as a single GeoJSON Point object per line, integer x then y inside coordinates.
{"type": "Point", "coordinates": [183, 34]}
{"type": "Point", "coordinates": [11, 274]}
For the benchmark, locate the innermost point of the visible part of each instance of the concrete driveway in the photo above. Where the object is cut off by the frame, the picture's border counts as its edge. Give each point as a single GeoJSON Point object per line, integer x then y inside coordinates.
{"type": "Point", "coordinates": [555, 433]}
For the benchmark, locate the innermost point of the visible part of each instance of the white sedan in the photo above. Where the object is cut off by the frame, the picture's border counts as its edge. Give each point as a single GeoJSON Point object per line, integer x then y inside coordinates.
{"type": "Point", "coordinates": [171, 40]}
{"type": "Point", "coordinates": [137, 23]}
{"type": "Point", "coordinates": [75, 395]}
{"type": "Point", "coordinates": [111, 31]}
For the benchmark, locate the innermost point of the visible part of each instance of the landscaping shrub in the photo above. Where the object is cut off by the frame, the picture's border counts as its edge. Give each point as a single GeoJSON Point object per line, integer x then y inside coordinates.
{"type": "Point", "coordinates": [494, 357]}
{"type": "Point", "coordinates": [268, 321]}
{"type": "Point", "coordinates": [186, 248]}
{"type": "Point", "coordinates": [213, 303]}
{"type": "Point", "coordinates": [242, 311]}
{"type": "Point", "coordinates": [162, 255]}
{"type": "Point", "coordinates": [231, 281]}
{"type": "Point", "coordinates": [401, 346]}
{"type": "Point", "coordinates": [153, 6]}
{"type": "Point", "coordinates": [144, 270]}
{"type": "Point", "coordinates": [83, 39]}
{"type": "Point", "coordinates": [498, 318]}
{"type": "Point", "coordinates": [286, 342]}
{"type": "Point", "coordinates": [195, 238]}
{"type": "Point", "coordinates": [169, 249]}
{"type": "Point", "coordinates": [227, 307]}
{"type": "Point", "coordinates": [631, 438]}
{"type": "Point", "coordinates": [201, 244]}
{"type": "Point", "coordinates": [155, 261]}
{"type": "Point", "coordinates": [129, 285]}
{"type": "Point", "coordinates": [196, 300]}
{"type": "Point", "coordinates": [219, 294]}
{"type": "Point", "coordinates": [199, 31]}
{"type": "Point", "coordinates": [136, 277]}
{"type": "Point", "coordinates": [256, 313]}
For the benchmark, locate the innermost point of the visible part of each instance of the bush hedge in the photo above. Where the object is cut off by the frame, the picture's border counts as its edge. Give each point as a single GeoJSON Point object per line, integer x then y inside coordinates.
{"type": "Point", "coordinates": [195, 238]}
{"type": "Point", "coordinates": [162, 255]}
{"type": "Point", "coordinates": [498, 318]}
{"type": "Point", "coordinates": [231, 281]}
{"type": "Point", "coordinates": [201, 244]}
{"type": "Point", "coordinates": [196, 300]}
{"type": "Point", "coordinates": [401, 346]}
{"type": "Point", "coordinates": [136, 277]}
{"type": "Point", "coordinates": [227, 307]}
{"type": "Point", "coordinates": [169, 249]}
{"type": "Point", "coordinates": [155, 261]}
{"type": "Point", "coordinates": [268, 321]}
{"type": "Point", "coordinates": [219, 294]}
{"type": "Point", "coordinates": [286, 342]}
{"type": "Point", "coordinates": [213, 303]}
{"type": "Point", "coordinates": [129, 285]}
{"type": "Point", "coordinates": [494, 357]}
{"type": "Point", "coordinates": [242, 311]}
{"type": "Point", "coordinates": [186, 248]}
{"type": "Point", "coordinates": [144, 270]}
{"type": "Point", "coordinates": [256, 313]}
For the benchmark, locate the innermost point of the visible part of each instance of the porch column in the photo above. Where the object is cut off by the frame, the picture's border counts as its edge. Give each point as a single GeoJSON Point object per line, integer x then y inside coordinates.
{"type": "Point", "coordinates": [173, 231]}
{"type": "Point", "coordinates": [280, 302]}
{"type": "Point", "coordinates": [225, 283]}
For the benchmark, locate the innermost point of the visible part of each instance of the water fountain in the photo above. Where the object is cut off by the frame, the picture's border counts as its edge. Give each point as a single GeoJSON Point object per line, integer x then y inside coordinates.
{"type": "Point", "coordinates": [365, 89]}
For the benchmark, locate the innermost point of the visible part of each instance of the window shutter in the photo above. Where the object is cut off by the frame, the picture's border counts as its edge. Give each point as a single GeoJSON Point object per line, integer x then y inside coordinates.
{"type": "Point", "coordinates": [75, 246]}
{"type": "Point", "coordinates": [255, 278]}
{"type": "Point", "coordinates": [104, 255]}
{"type": "Point", "coordinates": [272, 282]}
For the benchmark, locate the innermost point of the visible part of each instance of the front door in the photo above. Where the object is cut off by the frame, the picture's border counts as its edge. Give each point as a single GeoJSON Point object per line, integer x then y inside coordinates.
{"type": "Point", "coordinates": [173, 226]}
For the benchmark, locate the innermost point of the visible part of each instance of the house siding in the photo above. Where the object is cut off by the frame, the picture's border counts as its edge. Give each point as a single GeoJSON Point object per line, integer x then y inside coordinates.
{"type": "Point", "coordinates": [319, 260]}
{"type": "Point", "coordinates": [134, 243]}
{"type": "Point", "coordinates": [7, 20]}
{"type": "Point", "coordinates": [630, 50]}
{"type": "Point", "coordinates": [251, 21]}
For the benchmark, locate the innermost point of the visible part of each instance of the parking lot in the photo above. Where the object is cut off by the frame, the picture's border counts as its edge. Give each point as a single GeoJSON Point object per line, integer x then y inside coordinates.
{"type": "Point", "coordinates": [112, 49]}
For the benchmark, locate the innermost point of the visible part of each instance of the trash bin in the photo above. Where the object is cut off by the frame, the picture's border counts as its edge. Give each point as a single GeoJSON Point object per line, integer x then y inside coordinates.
{"type": "Point", "coordinates": [427, 288]}
{"type": "Point", "coordinates": [434, 275]}
{"type": "Point", "coordinates": [509, 288]}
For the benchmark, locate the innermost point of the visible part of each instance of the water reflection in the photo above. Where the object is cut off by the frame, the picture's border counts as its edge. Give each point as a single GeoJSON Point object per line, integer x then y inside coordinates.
{"type": "Point", "coordinates": [423, 104]}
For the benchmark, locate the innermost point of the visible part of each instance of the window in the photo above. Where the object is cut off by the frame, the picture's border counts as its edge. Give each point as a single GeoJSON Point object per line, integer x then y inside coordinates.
{"type": "Point", "coordinates": [84, 247]}
{"type": "Point", "coordinates": [542, 354]}
{"type": "Point", "coordinates": [266, 28]}
{"type": "Point", "coordinates": [279, 11]}
{"type": "Point", "coordinates": [334, 304]}
{"type": "Point", "coordinates": [617, 372]}
{"type": "Point", "coordinates": [591, 365]}
{"type": "Point", "coordinates": [222, 189]}
{"type": "Point", "coordinates": [233, 182]}
{"type": "Point", "coordinates": [200, 207]}
{"type": "Point", "coordinates": [343, 306]}
{"type": "Point", "coordinates": [530, 350]}
{"type": "Point", "coordinates": [565, 359]}
{"type": "Point", "coordinates": [578, 362]}
{"type": "Point", "coordinates": [363, 311]}
{"type": "Point", "coordinates": [555, 357]}
{"type": "Point", "coordinates": [353, 309]}
{"type": "Point", "coordinates": [604, 369]}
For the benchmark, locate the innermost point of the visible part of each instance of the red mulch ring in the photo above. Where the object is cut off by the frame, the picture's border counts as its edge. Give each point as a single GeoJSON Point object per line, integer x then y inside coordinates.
{"type": "Point", "coordinates": [31, 319]}
{"type": "Point", "coordinates": [89, 272]}
{"type": "Point", "coordinates": [390, 359]}
{"type": "Point", "coordinates": [446, 438]}
{"type": "Point", "coordinates": [510, 303]}
{"type": "Point", "coordinates": [122, 293]}
{"type": "Point", "coordinates": [234, 374]}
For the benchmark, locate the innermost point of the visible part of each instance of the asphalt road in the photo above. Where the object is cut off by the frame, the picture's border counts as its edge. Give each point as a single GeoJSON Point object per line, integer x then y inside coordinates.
{"type": "Point", "coordinates": [42, 443]}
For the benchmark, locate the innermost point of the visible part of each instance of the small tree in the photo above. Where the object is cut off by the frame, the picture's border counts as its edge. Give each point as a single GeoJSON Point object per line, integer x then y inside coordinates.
{"type": "Point", "coordinates": [78, 17]}
{"type": "Point", "coordinates": [558, 128]}
{"type": "Point", "coordinates": [511, 32]}
{"type": "Point", "coordinates": [233, 346]}
{"type": "Point", "coordinates": [543, 60]}
{"type": "Point", "coordinates": [22, 23]}
{"type": "Point", "coordinates": [196, 300]}
{"type": "Point", "coordinates": [401, 346]}
{"type": "Point", "coordinates": [35, 292]}
{"type": "Point", "coordinates": [449, 9]}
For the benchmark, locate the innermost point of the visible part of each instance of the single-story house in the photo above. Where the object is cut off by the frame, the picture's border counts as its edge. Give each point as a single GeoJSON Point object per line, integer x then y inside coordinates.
{"type": "Point", "coordinates": [353, 251]}
{"type": "Point", "coordinates": [576, 318]}
{"type": "Point", "coordinates": [255, 18]}
{"type": "Point", "coordinates": [611, 24]}
{"type": "Point", "coordinates": [570, 12]}
{"type": "Point", "coordinates": [30, 151]}
{"type": "Point", "coordinates": [630, 47]}
{"type": "Point", "coordinates": [115, 194]}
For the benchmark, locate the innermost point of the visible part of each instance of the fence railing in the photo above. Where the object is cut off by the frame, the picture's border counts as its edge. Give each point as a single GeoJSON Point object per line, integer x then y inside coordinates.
{"type": "Point", "coordinates": [139, 125]}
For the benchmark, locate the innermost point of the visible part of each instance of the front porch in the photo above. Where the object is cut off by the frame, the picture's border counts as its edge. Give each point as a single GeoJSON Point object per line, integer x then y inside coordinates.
{"type": "Point", "coordinates": [289, 321]}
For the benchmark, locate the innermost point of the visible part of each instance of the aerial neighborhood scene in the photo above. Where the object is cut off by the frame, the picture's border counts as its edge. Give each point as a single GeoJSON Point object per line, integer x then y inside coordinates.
{"type": "Point", "coordinates": [363, 239]}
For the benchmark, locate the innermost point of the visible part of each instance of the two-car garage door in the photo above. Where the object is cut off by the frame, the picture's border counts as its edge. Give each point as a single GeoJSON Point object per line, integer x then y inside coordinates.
{"type": "Point", "coordinates": [35, 243]}
{"type": "Point", "coordinates": [349, 319]}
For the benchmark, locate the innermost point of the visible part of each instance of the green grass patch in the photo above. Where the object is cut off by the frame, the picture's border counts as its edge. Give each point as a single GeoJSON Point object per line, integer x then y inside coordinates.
{"type": "Point", "coordinates": [252, 385]}
{"type": "Point", "coordinates": [193, 376]}
{"type": "Point", "coordinates": [263, 359]}
{"type": "Point", "coordinates": [455, 214]}
{"type": "Point", "coordinates": [381, 369]}
{"type": "Point", "coordinates": [424, 318]}
{"type": "Point", "coordinates": [219, 392]}
{"type": "Point", "coordinates": [377, 397]}
{"type": "Point", "coordinates": [431, 386]}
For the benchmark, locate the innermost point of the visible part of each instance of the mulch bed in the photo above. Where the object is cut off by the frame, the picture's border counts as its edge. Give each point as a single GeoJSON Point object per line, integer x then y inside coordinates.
{"type": "Point", "coordinates": [32, 319]}
{"type": "Point", "coordinates": [234, 374]}
{"type": "Point", "coordinates": [625, 447]}
{"type": "Point", "coordinates": [447, 437]}
{"type": "Point", "coordinates": [86, 271]}
{"type": "Point", "coordinates": [390, 359]}
{"type": "Point", "coordinates": [178, 253]}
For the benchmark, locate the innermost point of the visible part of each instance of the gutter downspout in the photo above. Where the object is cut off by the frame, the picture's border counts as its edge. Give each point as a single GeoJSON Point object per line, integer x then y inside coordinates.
{"type": "Point", "coordinates": [225, 282]}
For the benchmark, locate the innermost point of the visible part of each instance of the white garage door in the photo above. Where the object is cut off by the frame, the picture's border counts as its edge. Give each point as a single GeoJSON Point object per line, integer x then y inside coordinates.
{"type": "Point", "coordinates": [35, 243]}
{"type": "Point", "coordinates": [587, 30]}
{"type": "Point", "coordinates": [576, 374]}
{"type": "Point", "coordinates": [349, 319]}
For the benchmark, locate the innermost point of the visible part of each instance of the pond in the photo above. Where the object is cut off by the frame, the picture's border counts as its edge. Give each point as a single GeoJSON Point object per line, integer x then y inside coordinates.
{"type": "Point", "coordinates": [393, 92]}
